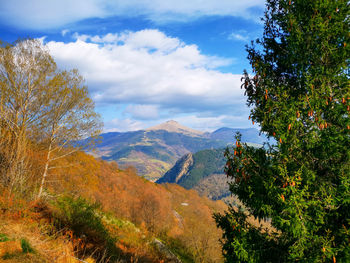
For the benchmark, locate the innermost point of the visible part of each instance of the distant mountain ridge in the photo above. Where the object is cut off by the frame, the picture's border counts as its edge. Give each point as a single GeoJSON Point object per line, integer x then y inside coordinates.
{"type": "Point", "coordinates": [155, 150]}
{"type": "Point", "coordinates": [173, 126]}
{"type": "Point", "coordinates": [250, 135]}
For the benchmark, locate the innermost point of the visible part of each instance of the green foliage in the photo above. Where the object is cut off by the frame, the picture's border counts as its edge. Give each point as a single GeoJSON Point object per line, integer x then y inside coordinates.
{"type": "Point", "coordinates": [85, 221]}
{"type": "Point", "coordinates": [300, 96]}
{"type": "Point", "coordinates": [19, 256]}
{"type": "Point", "coordinates": [179, 249]}
{"type": "Point", "coordinates": [26, 247]}
{"type": "Point", "coordinates": [205, 163]}
{"type": "Point", "coordinates": [147, 146]}
{"type": "Point", "coordinates": [3, 238]}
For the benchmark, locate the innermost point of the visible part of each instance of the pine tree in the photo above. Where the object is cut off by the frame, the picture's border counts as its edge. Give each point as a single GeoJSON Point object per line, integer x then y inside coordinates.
{"type": "Point", "coordinates": [300, 96]}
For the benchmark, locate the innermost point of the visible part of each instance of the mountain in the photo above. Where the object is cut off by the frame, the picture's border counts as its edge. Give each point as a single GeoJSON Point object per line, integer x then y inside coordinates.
{"type": "Point", "coordinates": [173, 126]}
{"type": "Point", "coordinates": [249, 135]}
{"type": "Point", "coordinates": [155, 150]}
{"type": "Point", "coordinates": [202, 171]}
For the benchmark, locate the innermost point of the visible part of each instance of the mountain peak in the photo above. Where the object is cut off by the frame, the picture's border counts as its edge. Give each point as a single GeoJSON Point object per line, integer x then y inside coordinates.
{"type": "Point", "coordinates": [174, 126]}
{"type": "Point", "coordinates": [172, 122]}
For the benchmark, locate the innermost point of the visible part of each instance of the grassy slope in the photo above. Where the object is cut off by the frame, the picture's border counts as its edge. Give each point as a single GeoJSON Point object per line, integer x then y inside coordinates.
{"type": "Point", "coordinates": [134, 211]}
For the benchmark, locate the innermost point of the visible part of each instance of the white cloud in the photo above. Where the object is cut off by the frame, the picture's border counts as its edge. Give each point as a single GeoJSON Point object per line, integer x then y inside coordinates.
{"type": "Point", "coordinates": [43, 14]}
{"type": "Point", "coordinates": [123, 125]}
{"type": "Point", "coordinates": [238, 36]}
{"type": "Point", "coordinates": [208, 124]}
{"type": "Point", "coordinates": [144, 39]}
{"type": "Point", "coordinates": [142, 112]}
{"type": "Point", "coordinates": [212, 123]}
{"type": "Point", "coordinates": [148, 67]}
{"type": "Point", "coordinates": [64, 32]}
{"type": "Point", "coordinates": [157, 74]}
{"type": "Point", "coordinates": [183, 10]}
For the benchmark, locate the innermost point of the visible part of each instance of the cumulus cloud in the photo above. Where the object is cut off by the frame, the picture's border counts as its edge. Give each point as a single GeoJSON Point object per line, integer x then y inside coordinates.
{"type": "Point", "coordinates": [148, 67]}
{"type": "Point", "coordinates": [158, 75]}
{"type": "Point", "coordinates": [142, 112]}
{"type": "Point", "coordinates": [64, 32]}
{"type": "Point", "coordinates": [43, 14]}
{"type": "Point", "coordinates": [123, 125]}
{"type": "Point", "coordinates": [241, 35]}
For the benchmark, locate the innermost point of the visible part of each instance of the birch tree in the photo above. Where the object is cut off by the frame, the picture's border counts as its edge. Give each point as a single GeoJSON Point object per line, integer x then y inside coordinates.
{"type": "Point", "coordinates": [71, 117]}
{"type": "Point", "coordinates": [25, 72]}
{"type": "Point", "coordinates": [41, 105]}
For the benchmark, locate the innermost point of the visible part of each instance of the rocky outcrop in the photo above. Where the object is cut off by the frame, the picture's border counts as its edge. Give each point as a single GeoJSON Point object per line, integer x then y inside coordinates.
{"type": "Point", "coordinates": [186, 165]}
{"type": "Point", "coordinates": [170, 256]}
{"type": "Point", "coordinates": [180, 169]}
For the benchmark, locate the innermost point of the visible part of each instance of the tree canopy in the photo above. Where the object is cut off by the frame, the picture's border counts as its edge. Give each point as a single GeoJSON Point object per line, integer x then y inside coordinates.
{"type": "Point", "coordinates": [299, 95]}
{"type": "Point", "coordinates": [39, 105]}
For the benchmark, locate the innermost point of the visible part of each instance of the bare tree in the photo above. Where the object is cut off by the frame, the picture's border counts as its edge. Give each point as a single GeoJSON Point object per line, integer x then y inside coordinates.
{"type": "Point", "coordinates": [25, 71]}
{"type": "Point", "coordinates": [71, 117]}
{"type": "Point", "coordinates": [41, 105]}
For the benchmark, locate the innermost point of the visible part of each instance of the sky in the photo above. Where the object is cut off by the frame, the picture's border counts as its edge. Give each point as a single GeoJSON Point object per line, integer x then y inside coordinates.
{"type": "Point", "coordinates": [146, 62]}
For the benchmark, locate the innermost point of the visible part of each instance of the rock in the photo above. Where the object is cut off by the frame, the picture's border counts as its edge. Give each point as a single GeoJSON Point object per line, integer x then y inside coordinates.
{"type": "Point", "coordinates": [170, 257]}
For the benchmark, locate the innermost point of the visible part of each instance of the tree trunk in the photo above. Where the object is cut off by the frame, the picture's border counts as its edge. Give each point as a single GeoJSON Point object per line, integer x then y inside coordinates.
{"type": "Point", "coordinates": [46, 169]}
{"type": "Point", "coordinates": [17, 163]}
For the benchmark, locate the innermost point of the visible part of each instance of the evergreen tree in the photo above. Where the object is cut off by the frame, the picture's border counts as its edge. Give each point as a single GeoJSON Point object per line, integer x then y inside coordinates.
{"type": "Point", "coordinates": [300, 96]}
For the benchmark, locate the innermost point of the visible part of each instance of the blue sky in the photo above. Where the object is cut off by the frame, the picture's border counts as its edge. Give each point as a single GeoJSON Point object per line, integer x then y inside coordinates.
{"type": "Point", "coordinates": [146, 62]}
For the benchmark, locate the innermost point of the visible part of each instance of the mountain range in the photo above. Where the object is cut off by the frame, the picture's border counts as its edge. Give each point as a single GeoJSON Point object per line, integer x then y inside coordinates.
{"type": "Point", "coordinates": [155, 150]}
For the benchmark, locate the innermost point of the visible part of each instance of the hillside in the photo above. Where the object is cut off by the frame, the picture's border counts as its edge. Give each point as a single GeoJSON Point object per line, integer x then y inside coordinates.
{"type": "Point", "coordinates": [155, 150]}
{"type": "Point", "coordinates": [202, 171]}
{"type": "Point", "coordinates": [142, 221]}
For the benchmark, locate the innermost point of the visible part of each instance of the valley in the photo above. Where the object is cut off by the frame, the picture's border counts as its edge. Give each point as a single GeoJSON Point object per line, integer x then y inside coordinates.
{"type": "Point", "coordinates": [155, 150]}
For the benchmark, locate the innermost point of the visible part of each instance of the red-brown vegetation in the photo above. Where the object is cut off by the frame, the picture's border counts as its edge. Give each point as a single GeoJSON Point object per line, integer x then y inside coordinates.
{"type": "Point", "coordinates": [167, 211]}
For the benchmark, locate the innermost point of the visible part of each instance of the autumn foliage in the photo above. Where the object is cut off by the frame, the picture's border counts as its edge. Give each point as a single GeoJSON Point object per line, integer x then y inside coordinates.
{"type": "Point", "coordinates": [181, 218]}
{"type": "Point", "coordinates": [50, 189]}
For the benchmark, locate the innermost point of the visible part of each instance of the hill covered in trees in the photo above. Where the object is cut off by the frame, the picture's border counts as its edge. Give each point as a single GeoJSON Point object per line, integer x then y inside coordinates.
{"type": "Point", "coordinates": [202, 171]}
{"type": "Point", "coordinates": [155, 150]}
{"type": "Point", "coordinates": [134, 212]}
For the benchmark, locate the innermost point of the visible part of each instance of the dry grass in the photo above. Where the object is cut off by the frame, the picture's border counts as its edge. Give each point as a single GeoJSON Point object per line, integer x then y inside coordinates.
{"type": "Point", "coordinates": [51, 245]}
{"type": "Point", "coordinates": [48, 247]}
